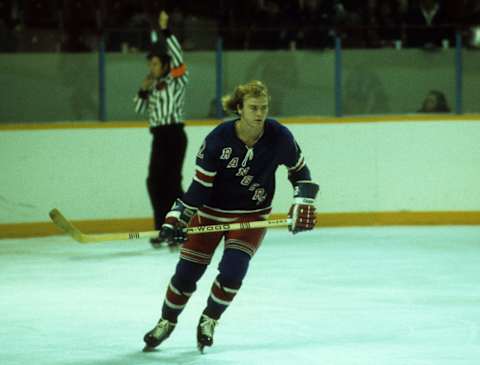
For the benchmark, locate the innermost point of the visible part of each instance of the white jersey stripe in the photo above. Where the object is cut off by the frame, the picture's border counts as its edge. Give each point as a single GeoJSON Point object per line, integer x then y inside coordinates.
{"type": "Point", "coordinates": [207, 185]}
{"type": "Point", "coordinates": [218, 300]}
{"type": "Point", "coordinates": [173, 306]}
{"type": "Point", "coordinates": [205, 172]}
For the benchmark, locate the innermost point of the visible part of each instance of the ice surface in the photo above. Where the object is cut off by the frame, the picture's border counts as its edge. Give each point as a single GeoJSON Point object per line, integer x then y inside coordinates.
{"type": "Point", "coordinates": [406, 296]}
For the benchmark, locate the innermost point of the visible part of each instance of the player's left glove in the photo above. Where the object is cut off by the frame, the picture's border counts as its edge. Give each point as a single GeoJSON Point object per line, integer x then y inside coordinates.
{"type": "Point", "coordinates": [174, 229]}
{"type": "Point", "coordinates": [302, 212]}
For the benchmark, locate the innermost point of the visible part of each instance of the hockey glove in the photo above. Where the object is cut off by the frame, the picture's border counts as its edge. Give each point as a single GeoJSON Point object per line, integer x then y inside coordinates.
{"type": "Point", "coordinates": [174, 229]}
{"type": "Point", "coordinates": [302, 212]}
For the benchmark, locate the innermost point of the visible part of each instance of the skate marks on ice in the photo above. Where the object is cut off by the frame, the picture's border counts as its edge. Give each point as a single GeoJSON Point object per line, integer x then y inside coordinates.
{"type": "Point", "coordinates": [103, 256]}
{"type": "Point", "coordinates": [161, 356]}
{"type": "Point", "coordinates": [122, 250]}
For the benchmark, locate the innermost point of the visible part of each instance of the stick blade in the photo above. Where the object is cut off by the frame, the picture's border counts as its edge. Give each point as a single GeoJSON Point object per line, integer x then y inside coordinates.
{"type": "Point", "coordinates": [61, 222]}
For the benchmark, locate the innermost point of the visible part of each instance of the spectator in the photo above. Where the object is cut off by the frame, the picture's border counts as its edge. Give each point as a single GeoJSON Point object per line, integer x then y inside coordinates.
{"type": "Point", "coordinates": [41, 14]}
{"type": "Point", "coordinates": [80, 22]}
{"type": "Point", "coordinates": [472, 19]}
{"type": "Point", "coordinates": [116, 21]}
{"type": "Point", "coordinates": [11, 24]}
{"type": "Point", "coordinates": [312, 23]}
{"type": "Point", "coordinates": [6, 21]}
{"type": "Point", "coordinates": [385, 16]}
{"type": "Point", "coordinates": [137, 29]}
{"type": "Point", "coordinates": [117, 14]}
{"type": "Point", "coordinates": [178, 23]}
{"type": "Point", "coordinates": [5, 13]}
{"type": "Point", "coordinates": [435, 102]}
{"type": "Point", "coordinates": [265, 23]}
{"type": "Point", "coordinates": [233, 23]}
{"type": "Point", "coordinates": [425, 25]}
{"type": "Point", "coordinates": [472, 12]}
{"type": "Point", "coordinates": [352, 18]}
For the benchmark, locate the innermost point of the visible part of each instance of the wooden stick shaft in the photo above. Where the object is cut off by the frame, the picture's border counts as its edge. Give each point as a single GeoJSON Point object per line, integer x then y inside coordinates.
{"type": "Point", "coordinates": [62, 223]}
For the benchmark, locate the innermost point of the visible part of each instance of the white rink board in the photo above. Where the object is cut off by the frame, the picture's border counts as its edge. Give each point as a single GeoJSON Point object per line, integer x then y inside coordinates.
{"type": "Point", "coordinates": [361, 167]}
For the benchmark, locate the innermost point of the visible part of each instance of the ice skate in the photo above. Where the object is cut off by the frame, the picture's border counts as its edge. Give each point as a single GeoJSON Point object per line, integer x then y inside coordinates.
{"type": "Point", "coordinates": [158, 334]}
{"type": "Point", "coordinates": [205, 330]}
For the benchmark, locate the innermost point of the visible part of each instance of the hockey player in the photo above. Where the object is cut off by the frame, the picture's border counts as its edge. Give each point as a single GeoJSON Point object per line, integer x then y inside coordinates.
{"type": "Point", "coordinates": [234, 181]}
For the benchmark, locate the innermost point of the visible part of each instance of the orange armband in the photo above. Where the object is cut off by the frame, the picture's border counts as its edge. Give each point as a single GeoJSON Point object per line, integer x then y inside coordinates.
{"type": "Point", "coordinates": [179, 71]}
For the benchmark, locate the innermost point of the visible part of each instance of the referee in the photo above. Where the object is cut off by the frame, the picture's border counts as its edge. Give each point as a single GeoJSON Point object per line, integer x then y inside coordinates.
{"type": "Point", "coordinates": [162, 95]}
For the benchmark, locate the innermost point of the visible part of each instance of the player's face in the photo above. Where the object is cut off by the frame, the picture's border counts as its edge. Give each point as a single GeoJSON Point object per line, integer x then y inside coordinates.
{"type": "Point", "coordinates": [156, 67]}
{"type": "Point", "coordinates": [254, 111]}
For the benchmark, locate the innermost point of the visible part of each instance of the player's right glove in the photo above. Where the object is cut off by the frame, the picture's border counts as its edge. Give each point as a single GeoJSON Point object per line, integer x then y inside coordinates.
{"type": "Point", "coordinates": [174, 229]}
{"type": "Point", "coordinates": [302, 212]}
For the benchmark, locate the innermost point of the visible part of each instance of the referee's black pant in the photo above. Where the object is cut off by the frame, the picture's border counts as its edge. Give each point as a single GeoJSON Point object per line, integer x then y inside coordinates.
{"type": "Point", "coordinates": [164, 181]}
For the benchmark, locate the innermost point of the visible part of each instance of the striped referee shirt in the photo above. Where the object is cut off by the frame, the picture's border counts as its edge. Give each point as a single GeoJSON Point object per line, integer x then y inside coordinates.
{"type": "Point", "coordinates": [165, 99]}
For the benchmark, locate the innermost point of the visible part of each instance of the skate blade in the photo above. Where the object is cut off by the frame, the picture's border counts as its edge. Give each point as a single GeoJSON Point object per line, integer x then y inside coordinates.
{"type": "Point", "coordinates": [201, 348]}
{"type": "Point", "coordinates": [149, 349]}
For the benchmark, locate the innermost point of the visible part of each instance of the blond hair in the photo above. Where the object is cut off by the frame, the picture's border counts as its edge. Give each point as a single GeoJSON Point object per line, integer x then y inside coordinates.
{"type": "Point", "coordinates": [255, 88]}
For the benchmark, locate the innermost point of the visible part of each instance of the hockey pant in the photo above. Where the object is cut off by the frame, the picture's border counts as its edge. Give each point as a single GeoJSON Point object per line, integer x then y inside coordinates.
{"type": "Point", "coordinates": [196, 254]}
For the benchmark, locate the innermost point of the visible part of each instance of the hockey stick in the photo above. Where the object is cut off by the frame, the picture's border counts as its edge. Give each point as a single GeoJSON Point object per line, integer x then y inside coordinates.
{"type": "Point", "coordinates": [61, 222]}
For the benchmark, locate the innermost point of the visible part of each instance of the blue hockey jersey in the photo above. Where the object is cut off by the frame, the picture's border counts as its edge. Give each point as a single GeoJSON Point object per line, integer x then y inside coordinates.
{"type": "Point", "coordinates": [231, 177]}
